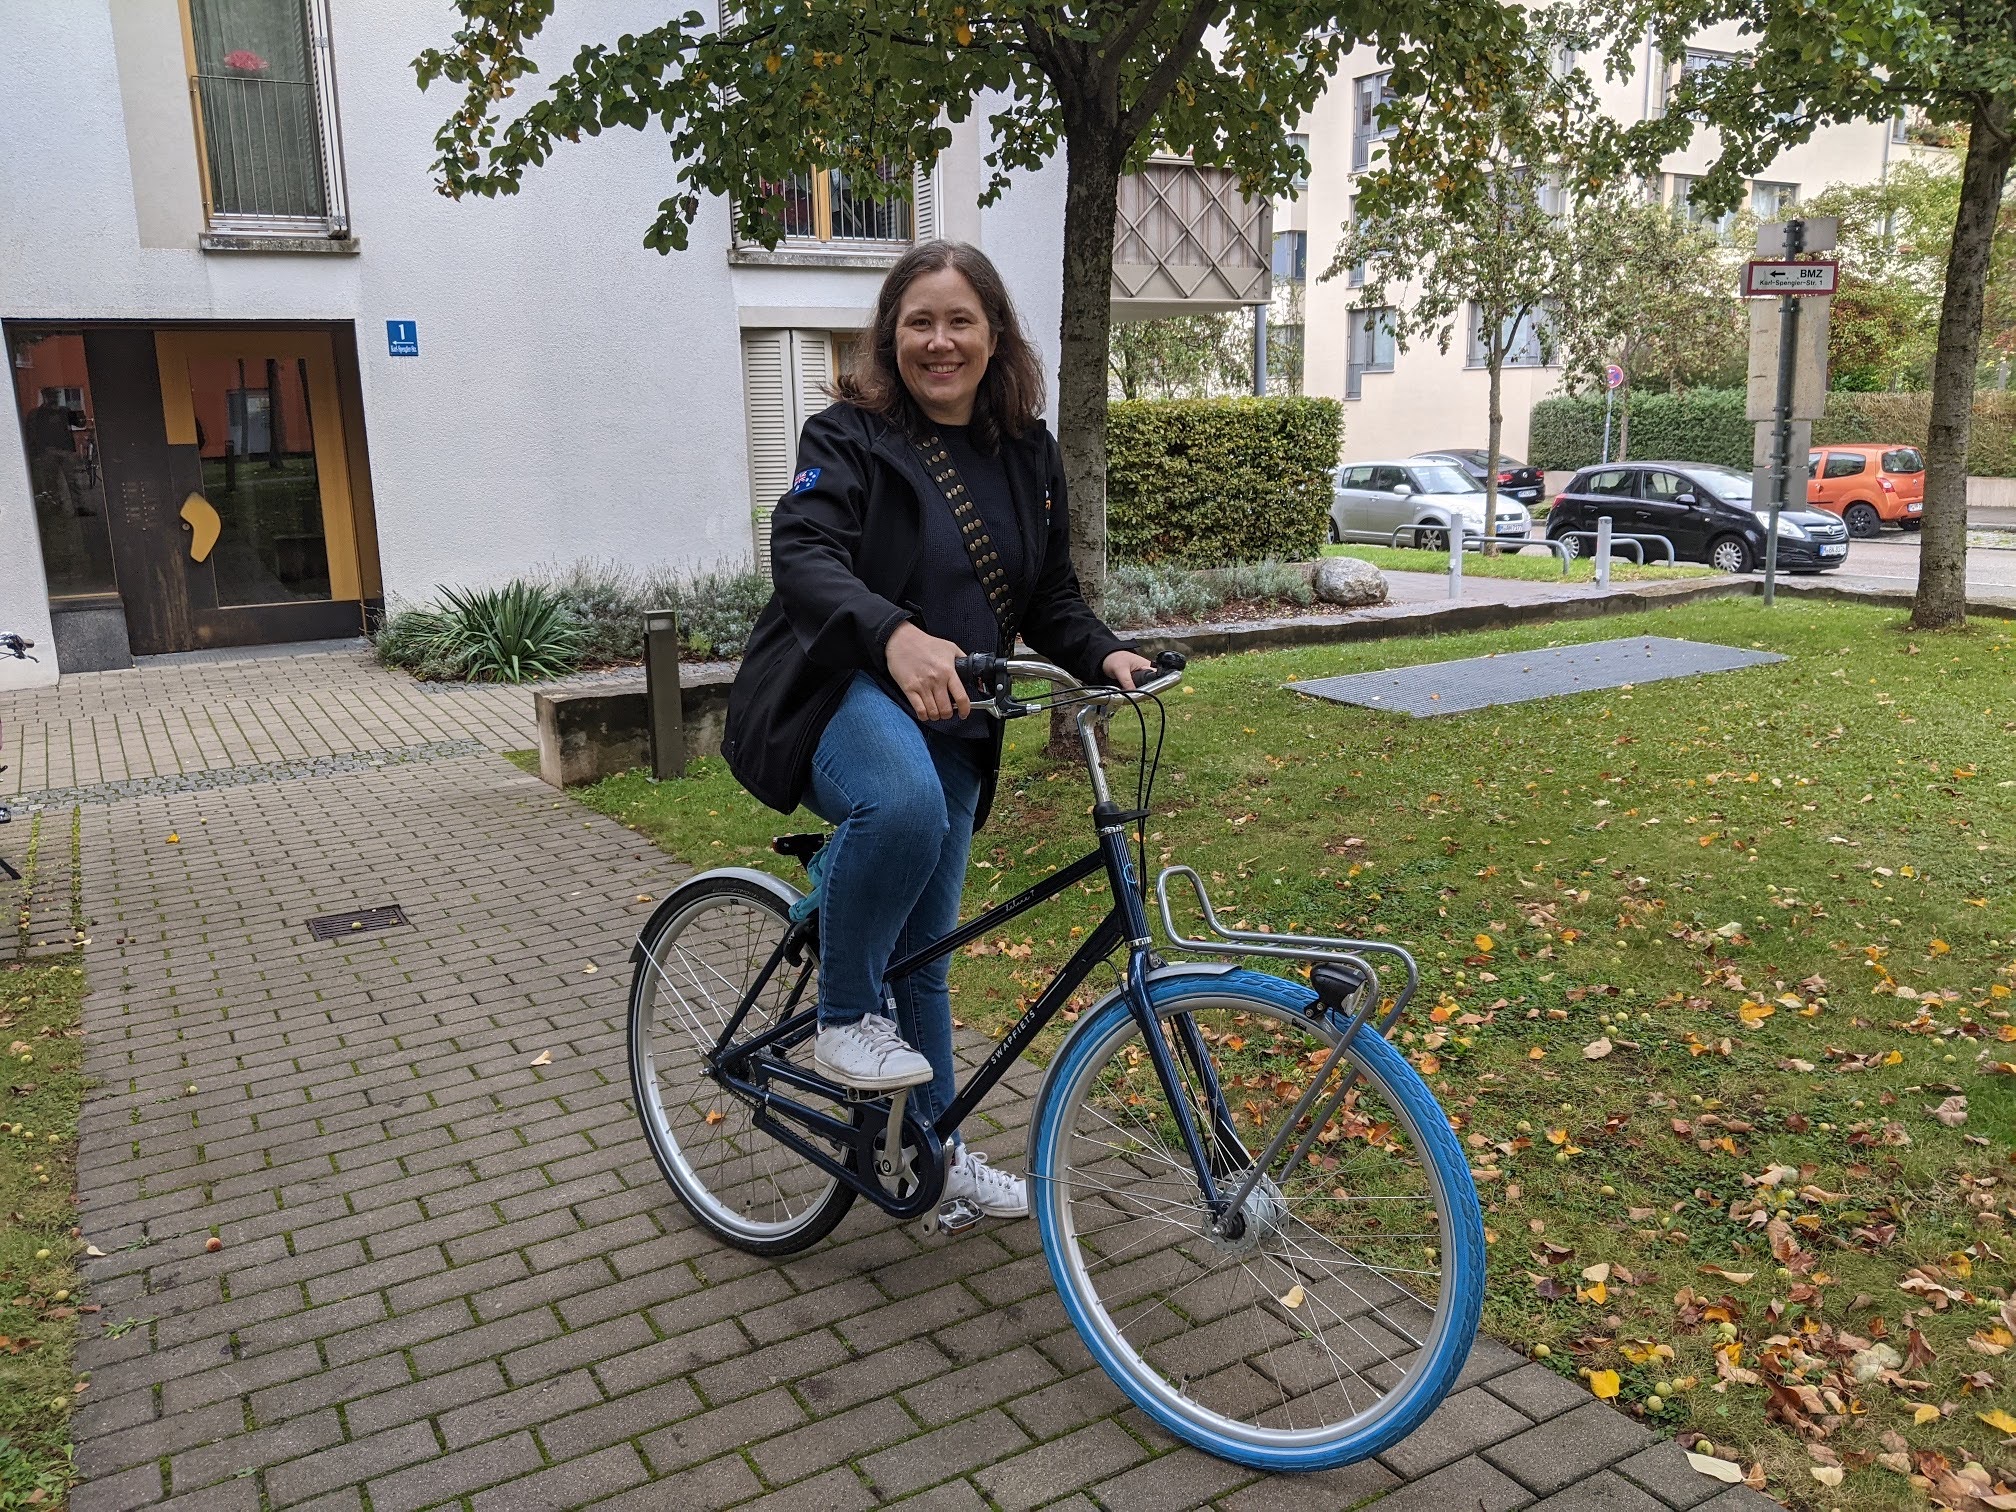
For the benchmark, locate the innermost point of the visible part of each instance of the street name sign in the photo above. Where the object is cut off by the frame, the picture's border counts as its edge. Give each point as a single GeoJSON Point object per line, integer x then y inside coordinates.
{"type": "Point", "coordinates": [402, 338]}
{"type": "Point", "coordinates": [1763, 279]}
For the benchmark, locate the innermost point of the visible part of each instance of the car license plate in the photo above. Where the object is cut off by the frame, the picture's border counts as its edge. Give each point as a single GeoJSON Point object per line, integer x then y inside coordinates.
{"type": "Point", "coordinates": [1528, 494]}
{"type": "Point", "coordinates": [1838, 549]}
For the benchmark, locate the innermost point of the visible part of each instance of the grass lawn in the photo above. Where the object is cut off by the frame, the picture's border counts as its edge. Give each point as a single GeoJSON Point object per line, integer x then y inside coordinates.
{"type": "Point", "coordinates": [1540, 565]}
{"type": "Point", "coordinates": [39, 1285]}
{"type": "Point", "coordinates": [1717, 988]}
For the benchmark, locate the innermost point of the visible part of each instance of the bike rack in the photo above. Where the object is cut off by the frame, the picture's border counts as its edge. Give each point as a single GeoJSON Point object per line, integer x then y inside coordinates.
{"type": "Point", "coordinates": [1472, 538]}
{"type": "Point", "coordinates": [1635, 541]}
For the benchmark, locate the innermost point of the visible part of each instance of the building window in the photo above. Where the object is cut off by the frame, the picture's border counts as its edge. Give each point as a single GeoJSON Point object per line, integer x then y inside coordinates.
{"type": "Point", "coordinates": [785, 377]}
{"type": "Point", "coordinates": [830, 206]}
{"type": "Point", "coordinates": [1291, 255]}
{"type": "Point", "coordinates": [1770, 202]}
{"type": "Point", "coordinates": [1700, 60]}
{"type": "Point", "coordinates": [1524, 346]}
{"type": "Point", "coordinates": [1723, 225]}
{"type": "Point", "coordinates": [1356, 277]}
{"type": "Point", "coordinates": [1370, 348]}
{"type": "Point", "coordinates": [265, 107]}
{"type": "Point", "coordinates": [1369, 93]}
{"type": "Point", "coordinates": [1300, 139]}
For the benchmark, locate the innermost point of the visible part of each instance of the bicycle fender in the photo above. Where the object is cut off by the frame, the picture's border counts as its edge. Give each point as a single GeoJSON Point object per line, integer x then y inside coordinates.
{"type": "Point", "coordinates": [784, 892]}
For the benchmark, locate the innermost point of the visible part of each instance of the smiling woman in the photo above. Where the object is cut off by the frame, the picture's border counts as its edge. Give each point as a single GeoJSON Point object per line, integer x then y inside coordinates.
{"type": "Point", "coordinates": [925, 521]}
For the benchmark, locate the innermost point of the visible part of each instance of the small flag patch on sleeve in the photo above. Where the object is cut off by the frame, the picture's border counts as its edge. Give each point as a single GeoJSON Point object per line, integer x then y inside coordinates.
{"type": "Point", "coordinates": [805, 480]}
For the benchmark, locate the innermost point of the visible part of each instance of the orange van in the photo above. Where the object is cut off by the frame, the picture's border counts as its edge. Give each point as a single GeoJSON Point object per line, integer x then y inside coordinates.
{"type": "Point", "coordinates": [1868, 486]}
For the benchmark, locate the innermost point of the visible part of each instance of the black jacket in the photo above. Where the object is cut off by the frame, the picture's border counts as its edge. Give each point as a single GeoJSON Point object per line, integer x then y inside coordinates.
{"type": "Point", "coordinates": [843, 543]}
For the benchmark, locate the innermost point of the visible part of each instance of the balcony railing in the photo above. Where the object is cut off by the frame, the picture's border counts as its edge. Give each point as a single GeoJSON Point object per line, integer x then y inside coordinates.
{"type": "Point", "coordinates": [1188, 241]}
{"type": "Point", "coordinates": [264, 146]}
{"type": "Point", "coordinates": [825, 205]}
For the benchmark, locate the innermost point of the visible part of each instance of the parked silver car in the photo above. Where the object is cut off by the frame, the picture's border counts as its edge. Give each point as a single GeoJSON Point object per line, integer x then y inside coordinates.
{"type": "Point", "coordinates": [1371, 500]}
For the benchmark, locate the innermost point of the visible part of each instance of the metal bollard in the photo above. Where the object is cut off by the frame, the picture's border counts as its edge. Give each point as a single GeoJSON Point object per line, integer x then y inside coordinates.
{"type": "Point", "coordinates": [1603, 552]}
{"type": "Point", "coordinates": [1455, 560]}
{"type": "Point", "coordinates": [662, 694]}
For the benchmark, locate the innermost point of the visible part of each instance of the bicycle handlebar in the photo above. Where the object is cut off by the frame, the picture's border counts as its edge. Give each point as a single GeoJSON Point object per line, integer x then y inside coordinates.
{"type": "Point", "coordinates": [997, 674]}
{"type": "Point", "coordinates": [16, 645]}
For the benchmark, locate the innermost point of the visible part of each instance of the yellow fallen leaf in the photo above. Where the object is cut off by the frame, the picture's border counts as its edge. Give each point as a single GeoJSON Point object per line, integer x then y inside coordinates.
{"type": "Point", "coordinates": [1604, 1383]}
{"type": "Point", "coordinates": [1734, 1278]}
{"type": "Point", "coordinates": [1940, 947]}
{"type": "Point", "coordinates": [1717, 1469]}
{"type": "Point", "coordinates": [1999, 1420]}
{"type": "Point", "coordinates": [1924, 1413]}
{"type": "Point", "coordinates": [1597, 1048]}
{"type": "Point", "coordinates": [543, 1058]}
{"type": "Point", "coordinates": [1827, 1475]}
{"type": "Point", "coordinates": [1294, 1296]}
{"type": "Point", "coordinates": [1536, 1053]}
{"type": "Point", "coordinates": [1754, 1013]}
{"type": "Point", "coordinates": [1599, 1294]}
{"type": "Point", "coordinates": [715, 1115]}
{"type": "Point", "coordinates": [590, 969]}
{"type": "Point", "coordinates": [173, 838]}
{"type": "Point", "coordinates": [643, 897]}
{"type": "Point", "coordinates": [1485, 942]}
{"type": "Point", "coordinates": [1557, 1136]}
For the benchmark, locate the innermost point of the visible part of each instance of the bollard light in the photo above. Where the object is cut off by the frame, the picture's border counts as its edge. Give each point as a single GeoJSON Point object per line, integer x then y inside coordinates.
{"type": "Point", "coordinates": [662, 694]}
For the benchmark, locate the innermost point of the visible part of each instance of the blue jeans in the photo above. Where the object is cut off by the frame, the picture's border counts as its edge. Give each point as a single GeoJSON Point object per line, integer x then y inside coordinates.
{"type": "Point", "coordinates": [903, 800]}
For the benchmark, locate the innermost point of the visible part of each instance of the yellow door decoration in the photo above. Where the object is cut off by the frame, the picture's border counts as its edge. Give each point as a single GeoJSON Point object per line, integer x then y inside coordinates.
{"type": "Point", "coordinates": [203, 524]}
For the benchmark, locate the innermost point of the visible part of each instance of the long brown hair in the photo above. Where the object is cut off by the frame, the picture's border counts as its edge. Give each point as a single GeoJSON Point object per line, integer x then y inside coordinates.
{"type": "Point", "coordinates": [1010, 398]}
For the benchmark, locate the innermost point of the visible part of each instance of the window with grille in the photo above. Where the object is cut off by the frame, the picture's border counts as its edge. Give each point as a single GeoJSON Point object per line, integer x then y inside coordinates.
{"type": "Point", "coordinates": [264, 100]}
{"type": "Point", "coordinates": [1722, 224]}
{"type": "Point", "coordinates": [828, 206]}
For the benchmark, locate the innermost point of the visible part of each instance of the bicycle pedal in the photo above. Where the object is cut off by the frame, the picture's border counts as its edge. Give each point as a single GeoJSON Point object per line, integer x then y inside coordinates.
{"type": "Point", "coordinates": [953, 1217]}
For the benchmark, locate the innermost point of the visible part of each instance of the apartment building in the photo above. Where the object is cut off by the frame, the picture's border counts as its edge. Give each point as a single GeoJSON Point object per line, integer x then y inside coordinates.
{"type": "Point", "coordinates": [1401, 402]}
{"type": "Point", "coordinates": [269, 380]}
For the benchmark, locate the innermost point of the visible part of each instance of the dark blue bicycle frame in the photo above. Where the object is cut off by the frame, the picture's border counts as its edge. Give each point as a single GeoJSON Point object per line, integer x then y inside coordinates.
{"type": "Point", "coordinates": [735, 1065]}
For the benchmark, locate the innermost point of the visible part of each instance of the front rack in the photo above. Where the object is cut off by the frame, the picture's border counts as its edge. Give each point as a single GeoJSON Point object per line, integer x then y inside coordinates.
{"type": "Point", "coordinates": [1306, 1114]}
{"type": "Point", "coordinates": [1249, 942]}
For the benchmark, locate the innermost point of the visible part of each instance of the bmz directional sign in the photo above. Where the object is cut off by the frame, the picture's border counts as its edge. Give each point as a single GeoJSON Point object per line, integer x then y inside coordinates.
{"type": "Point", "coordinates": [1762, 279]}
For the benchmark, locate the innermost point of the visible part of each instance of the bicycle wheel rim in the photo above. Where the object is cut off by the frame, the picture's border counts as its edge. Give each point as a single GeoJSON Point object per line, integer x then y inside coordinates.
{"type": "Point", "coordinates": [694, 968]}
{"type": "Point", "coordinates": [1414, 1366]}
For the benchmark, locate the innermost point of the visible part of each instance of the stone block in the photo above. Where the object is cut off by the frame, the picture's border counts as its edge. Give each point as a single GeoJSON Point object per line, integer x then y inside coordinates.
{"type": "Point", "coordinates": [1348, 582]}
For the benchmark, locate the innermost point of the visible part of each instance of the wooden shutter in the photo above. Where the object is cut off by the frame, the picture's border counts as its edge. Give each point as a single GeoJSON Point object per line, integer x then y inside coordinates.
{"type": "Point", "coordinates": [812, 371]}
{"type": "Point", "coordinates": [773, 430]}
{"type": "Point", "coordinates": [924, 216]}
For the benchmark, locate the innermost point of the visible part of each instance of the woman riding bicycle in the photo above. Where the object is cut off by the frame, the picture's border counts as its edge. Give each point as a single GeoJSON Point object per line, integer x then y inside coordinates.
{"type": "Point", "coordinates": [926, 520]}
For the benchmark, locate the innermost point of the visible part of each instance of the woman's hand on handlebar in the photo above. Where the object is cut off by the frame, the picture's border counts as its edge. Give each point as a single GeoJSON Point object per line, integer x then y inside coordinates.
{"type": "Point", "coordinates": [923, 666]}
{"type": "Point", "coordinates": [1123, 668]}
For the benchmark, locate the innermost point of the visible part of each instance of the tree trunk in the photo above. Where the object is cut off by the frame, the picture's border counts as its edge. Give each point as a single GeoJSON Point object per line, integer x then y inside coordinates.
{"type": "Point", "coordinates": [1091, 207]}
{"type": "Point", "coordinates": [1092, 155]}
{"type": "Point", "coordinates": [1942, 553]}
{"type": "Point", "coordinates": [1494, 441]}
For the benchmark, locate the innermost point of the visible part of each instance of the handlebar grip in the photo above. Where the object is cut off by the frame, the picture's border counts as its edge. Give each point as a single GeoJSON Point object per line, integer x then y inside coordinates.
{"type": "Point", "coordinates": [978, 667]}
{"type": "Point", "coordinates": [1172, 661]}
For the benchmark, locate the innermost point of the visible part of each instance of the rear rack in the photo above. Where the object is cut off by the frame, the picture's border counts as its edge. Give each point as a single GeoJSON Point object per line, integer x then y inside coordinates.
{"type": "Point", "coordinates": [1249, 942]}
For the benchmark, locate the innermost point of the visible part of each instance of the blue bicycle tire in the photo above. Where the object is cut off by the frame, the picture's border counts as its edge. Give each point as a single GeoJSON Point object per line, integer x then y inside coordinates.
{"type": "Point", "coordinates": [1459, 1303]}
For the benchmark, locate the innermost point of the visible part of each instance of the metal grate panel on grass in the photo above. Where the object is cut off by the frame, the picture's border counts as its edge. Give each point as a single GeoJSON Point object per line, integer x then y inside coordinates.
{"type": "Point", "coordinates": [1480, 682]}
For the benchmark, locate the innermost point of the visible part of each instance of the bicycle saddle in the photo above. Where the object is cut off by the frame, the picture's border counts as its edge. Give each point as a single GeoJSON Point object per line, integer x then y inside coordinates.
{"type": "Point", "coordinates": [1337, 982]}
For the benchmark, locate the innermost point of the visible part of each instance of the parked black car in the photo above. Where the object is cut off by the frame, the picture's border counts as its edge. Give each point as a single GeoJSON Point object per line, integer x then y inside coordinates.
{"type": "Point", "coordinates": [1515, 479]}
{"type": "Point", "coordinates": [1704, 509]}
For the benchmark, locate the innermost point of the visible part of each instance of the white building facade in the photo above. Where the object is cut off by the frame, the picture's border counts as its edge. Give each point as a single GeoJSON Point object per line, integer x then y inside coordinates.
{"type": "Point", "coordinates": [268, 379]}
{"type": "Point", "coordinates": [1400, 402]}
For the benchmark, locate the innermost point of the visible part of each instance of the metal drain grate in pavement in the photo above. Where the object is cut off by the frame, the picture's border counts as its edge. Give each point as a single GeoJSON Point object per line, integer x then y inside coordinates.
{"type": "Point", "coordinates": [1478, 682]}
{"type": "Point", "coordinates": [359, 921]}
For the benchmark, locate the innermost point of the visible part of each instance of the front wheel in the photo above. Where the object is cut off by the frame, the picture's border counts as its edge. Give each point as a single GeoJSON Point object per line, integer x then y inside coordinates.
{"type": "Point", "coordinates": [1570, 543]}
{"type": "Point", "coordinates": [1336, 535]}
{"type": "Point", "coordinates": [697, 958]}
{"type": "Point", "coordinates": [1730, 554]}
{"type": "Point", "coordinates": [1327, 1323]}
{"type": "Point", "coordinates": [1863, 521]}
{"type": "Point", "coordinates": [1431, 538]}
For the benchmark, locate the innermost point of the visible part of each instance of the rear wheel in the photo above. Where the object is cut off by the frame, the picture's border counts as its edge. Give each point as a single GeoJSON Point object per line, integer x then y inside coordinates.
{"type": "Point", "coordinates": [697, 959]}
{"type": "Point", "coordinates": [1569, 543]}
{"type": "Point", "coordinates": [1431, 538]}
{"type": "Point", "coordinates": [1336, 535]}
{"type": "Point", "coordinates": [1330, 1321]}
{"type": "Point", "coordinates": [1863, 521]}
{"type": "Point", "coordinates": [1731, 554]}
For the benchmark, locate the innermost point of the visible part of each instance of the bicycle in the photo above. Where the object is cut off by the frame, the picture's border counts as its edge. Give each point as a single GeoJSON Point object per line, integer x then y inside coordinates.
{"type": "Point", "coordinates": [1253, 1209]}
{"type": "Point", "coordinates": [15, 646]}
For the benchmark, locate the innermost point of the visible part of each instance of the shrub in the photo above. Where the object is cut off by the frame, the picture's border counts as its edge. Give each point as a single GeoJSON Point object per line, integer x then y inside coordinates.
{"type": "Point", "coordinates": [717, 608]}
{"type": "Point", "coordinates": [607, 602]}
{"type": "Point", "coordinates": [1138, 594]}
{"type": "Point", "coordinates": [1210, 482]}
{"type": "Point", "coordinates": [521, 632]}
{"type": "Point", "coordinates": [1707, 425]}
{"type": "Point", "coordinates": [1699, 425]}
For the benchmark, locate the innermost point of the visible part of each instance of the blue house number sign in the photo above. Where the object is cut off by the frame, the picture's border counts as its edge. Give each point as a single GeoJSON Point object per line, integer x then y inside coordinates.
{"type": "Point", "coordinates": [402, 338]}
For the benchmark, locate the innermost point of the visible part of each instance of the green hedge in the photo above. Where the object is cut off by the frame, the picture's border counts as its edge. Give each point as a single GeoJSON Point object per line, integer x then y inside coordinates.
{"type": "Point", "coordinates": [1707, 425]}
{"type": "Point", "coordinates": [1210, 482]}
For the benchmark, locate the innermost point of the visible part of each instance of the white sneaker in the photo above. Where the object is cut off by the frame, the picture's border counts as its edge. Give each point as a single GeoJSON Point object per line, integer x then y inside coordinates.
{"type": "Point", "coordinates": [997, 1193]}
{"type": "Point", "coordinates": [869, 1056]}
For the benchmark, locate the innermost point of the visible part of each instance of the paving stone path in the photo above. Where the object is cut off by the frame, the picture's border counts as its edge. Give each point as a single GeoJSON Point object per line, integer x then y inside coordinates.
{"type": "Point", "coordinates": [450, 1277]}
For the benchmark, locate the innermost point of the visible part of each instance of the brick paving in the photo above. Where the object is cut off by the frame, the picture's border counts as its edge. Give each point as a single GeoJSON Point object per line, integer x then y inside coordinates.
{"type": "Point", "coordinates": [451, 1278]}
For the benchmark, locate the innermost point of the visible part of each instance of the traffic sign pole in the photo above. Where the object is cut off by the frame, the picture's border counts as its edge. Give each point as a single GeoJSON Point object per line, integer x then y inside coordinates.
{"type": "Point", "coordinates": [1781, 439]}
{"type": "Point", "coordinates": [1613, 376]}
